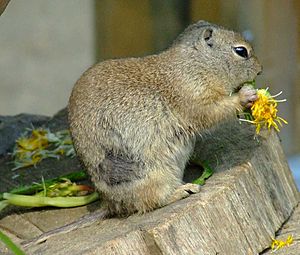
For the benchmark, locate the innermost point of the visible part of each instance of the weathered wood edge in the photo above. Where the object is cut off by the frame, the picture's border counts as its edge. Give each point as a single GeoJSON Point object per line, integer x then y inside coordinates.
{"type": "Point", "coordinates": [238, 211]}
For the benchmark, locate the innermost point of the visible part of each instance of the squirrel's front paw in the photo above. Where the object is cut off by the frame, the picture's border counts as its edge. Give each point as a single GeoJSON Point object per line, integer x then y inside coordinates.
{"type": "Point", "coordinates": [247, 96]}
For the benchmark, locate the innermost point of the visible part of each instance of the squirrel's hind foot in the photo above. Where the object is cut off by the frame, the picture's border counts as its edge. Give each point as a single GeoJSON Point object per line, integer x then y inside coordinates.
{"type": "Point", "coordinates": [184, 191]}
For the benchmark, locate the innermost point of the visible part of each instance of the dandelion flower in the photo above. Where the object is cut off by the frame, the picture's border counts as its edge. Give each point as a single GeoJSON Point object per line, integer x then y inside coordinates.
{"type": "Point", "coordinates": [278, 244]}
{"type": "Point", "coordinates": [264, 111]}
{"type": "Point", "coordinates": [38, 144]}
{"type": "Point", "coordinates": [37, 140]}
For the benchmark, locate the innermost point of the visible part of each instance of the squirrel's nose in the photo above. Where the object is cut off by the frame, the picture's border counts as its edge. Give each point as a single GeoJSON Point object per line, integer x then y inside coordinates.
{"type": "Point", "coordinates": [260, 71]}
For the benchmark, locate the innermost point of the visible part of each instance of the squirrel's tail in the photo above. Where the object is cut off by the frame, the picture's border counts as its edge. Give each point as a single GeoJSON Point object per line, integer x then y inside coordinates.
{"type": "Point", "coordinates": [82, 222]}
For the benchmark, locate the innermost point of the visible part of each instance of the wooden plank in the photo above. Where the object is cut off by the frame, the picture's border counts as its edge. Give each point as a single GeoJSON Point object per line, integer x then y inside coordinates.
{"type": "Point", "coordinates": [290, 228]}
{"type": "Point", "coordinates": [3, 5]}
{"type": "Point", "coordinates": [209, 10]}
{"type": "Point", "coordinates": [136, 28]}
{"type": "Point", "coordinates": [169, 18]}
{"type": "Point", "coordinates": [276, 43]}
{"type": "Point", "coordinates": [296, 85]}
{"type": "Point", "coordinates": [238, 210]}
{"type": "Point", "coordinates": [274, 26]}
{"type": "Point", "coordinates": [220, 12]}
{"type": "Point", "coordinates": [123, 28]}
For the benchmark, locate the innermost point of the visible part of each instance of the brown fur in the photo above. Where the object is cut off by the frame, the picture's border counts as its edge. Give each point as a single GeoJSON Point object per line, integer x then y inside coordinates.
{"type": "Point", "coordinates": [134, 121]}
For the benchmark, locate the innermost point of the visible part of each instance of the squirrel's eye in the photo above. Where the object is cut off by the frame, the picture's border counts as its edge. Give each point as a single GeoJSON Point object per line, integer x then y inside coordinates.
{"type": "Point", "coordinates": [241, 51]}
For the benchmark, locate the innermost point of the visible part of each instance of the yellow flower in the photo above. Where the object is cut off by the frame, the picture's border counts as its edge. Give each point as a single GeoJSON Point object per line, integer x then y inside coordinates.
{"type": "Point", "coordinates": [37, 140]}
{"type": "Point", "coordinates": [278, 244]}
{"type": "Point", "coordinates": [38, 144]}
{"type": "Point", "coordinates": [264, 111]}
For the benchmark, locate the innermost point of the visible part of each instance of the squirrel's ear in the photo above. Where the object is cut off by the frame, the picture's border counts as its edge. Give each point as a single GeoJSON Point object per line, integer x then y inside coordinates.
{"type": "Point", "coordinates": [204, 39]}
{"type": "Point", "coordinates": [207, 36]}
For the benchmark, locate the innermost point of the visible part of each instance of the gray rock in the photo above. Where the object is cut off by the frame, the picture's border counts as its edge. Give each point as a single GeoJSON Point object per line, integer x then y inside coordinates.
{"type": "Point", "coordinates": [11, 127]}
{"type": "Point", "coordinates": [59, 121]}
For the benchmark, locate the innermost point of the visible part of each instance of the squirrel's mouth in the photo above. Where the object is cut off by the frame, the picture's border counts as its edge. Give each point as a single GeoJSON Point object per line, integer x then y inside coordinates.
{"type": "Point", "coordinates": [252, 83]}
{"type": "Point", "coordinates": [235, 90]}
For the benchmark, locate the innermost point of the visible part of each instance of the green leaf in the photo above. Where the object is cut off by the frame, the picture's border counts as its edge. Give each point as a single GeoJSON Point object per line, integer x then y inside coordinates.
{"type": "Point", "coordinates": [207, 172]}
{"type": "Point", "coordinates": [10, 244]}
{"type": "Point", "coordinates": [252, 83]}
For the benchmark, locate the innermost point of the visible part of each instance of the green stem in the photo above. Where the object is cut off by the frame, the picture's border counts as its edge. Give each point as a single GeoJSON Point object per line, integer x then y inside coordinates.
{"type": "Point", "coordinates": [10, 244]}
{"type": "Point", "coordinates": [3, 204]}
{"type": "Point", "coordinates": [38, 201]}
{"type": "Point", "coordinates": [31, 189]}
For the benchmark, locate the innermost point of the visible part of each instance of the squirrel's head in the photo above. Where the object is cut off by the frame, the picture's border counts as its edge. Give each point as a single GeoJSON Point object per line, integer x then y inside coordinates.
{"type": "Point", "coordinates": [222, 53]}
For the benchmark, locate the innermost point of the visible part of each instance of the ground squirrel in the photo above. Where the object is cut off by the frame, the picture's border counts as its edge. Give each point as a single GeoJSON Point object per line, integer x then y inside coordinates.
{"type": "Point", "coordinates": [134, 121]}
